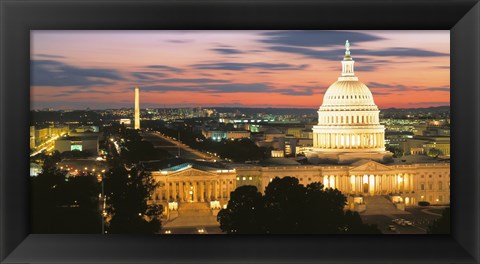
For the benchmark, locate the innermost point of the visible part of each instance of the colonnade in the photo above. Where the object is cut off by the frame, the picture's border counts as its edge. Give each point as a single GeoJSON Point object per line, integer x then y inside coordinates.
{"type": "Point", "coordinates": [325, 118]}
{"type": "Point", "coordinates": [195, 191]}
{"type": "Point", "coordinates": [371, 184]}
{"type": "Point", "coordinates": [349, 140]}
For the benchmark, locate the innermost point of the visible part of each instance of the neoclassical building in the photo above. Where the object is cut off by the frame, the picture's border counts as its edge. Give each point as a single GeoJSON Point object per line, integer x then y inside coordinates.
{"type": "Point", "coordinates": [409, 182]}
{"type": "Point", "coordinates": [348, 154]}
{"type": "Point", "coordinates": [187, 181]}
{"type": "Point", "coordinates": [348, 126]}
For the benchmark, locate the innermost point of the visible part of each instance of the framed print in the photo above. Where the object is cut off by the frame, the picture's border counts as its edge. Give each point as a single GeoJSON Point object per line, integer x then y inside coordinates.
{"type": "Point", "coordinates": [229, 132]}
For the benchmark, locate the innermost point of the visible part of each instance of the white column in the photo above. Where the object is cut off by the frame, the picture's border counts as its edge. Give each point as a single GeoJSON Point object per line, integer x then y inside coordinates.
{"type": "Point", "coordinates": [167, 185]}
{"type": "Point", "coordinates": [174, 191]}
{"type": "Point", "coordinates": [202, 191]}
{"type": "Point", "coordinates": [359, 184]}
{"type": "Point", "coordinates": [228, 189]}
{"type": "Point", "coordinates": [180, 191]}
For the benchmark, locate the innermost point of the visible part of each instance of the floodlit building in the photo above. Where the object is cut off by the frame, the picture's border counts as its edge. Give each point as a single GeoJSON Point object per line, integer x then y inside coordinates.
{"type": "Point", "coordinates": [411, 182]}
{"type": "Point", "coordinates": [219, 135]}
{"type": "Point", "coordinates": [348, 126]}
{"type": "Point", "coordinates": [187, 181]}
{"type": "Point", "coordinates": [348, 154]}
{"type": "Point", "coordinates": [125, 121]}
{"type": "Point", "coordinates": [88, 144]}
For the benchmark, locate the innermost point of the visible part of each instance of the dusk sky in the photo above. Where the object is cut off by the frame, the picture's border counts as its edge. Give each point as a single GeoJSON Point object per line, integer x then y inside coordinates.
{"type": "Point", "coordinates": [292, 69]}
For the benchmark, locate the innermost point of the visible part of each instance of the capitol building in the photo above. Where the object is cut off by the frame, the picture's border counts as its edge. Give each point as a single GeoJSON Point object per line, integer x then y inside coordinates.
{"type": "Point", "coordinates": [348, 154]}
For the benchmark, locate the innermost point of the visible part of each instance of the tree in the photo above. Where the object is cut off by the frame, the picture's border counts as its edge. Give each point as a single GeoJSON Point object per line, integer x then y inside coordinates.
{"type": "Point", "coordinates": [434, 152]}
{"type": "Point", "coordinates": [290, 208]}
{"type": "Point", "coordinates": [441, 225]}
{"type": "Point", "coordinates": [128, 192]}
{"type": "Point", "coordinates": [237, 218]}
{"type": "Point", "coordinates": [64, 205]}
{"type": "Point", "coordinates": [397, 151]}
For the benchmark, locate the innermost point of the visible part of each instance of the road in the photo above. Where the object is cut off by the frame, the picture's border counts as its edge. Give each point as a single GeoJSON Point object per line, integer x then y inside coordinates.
{"type": "Point", "coordinates": [174, 147]}
{"type": "Point", "coordinates": [417, 215]}
{"type": "Point", "coordinates": [48, 145]}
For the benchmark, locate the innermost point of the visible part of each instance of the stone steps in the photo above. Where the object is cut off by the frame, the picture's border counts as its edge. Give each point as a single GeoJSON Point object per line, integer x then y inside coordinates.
{"type": "Point", "coordinates": [194, 209]}
{"type": "Point", "coordinates": [380, 205]}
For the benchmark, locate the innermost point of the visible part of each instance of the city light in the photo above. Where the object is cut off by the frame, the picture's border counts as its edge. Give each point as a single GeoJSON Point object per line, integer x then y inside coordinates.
{"type": "Point", "coordinates": [378, 158]}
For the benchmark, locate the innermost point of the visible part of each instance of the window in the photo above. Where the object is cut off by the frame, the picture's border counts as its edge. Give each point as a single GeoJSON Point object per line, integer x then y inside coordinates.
{"type": "Point", "coordinates": [440, 186]}
{"type": "Point", "coordinates": [422, 187]}
{"type": "Point", "coordinates": [430, 186]}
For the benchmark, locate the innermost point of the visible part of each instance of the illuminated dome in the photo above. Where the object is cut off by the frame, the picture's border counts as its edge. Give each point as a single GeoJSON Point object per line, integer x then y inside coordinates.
{"type": "Point", "coordinates": [348, 94]}
{"type": "Point", "coordinates": [348, 126]}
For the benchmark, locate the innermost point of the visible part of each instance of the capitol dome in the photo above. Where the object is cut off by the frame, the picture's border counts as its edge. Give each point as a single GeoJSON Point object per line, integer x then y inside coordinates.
{"type": "Point", "coordinates": [348, 126]}
{"type": "Point", "coordinates": [351, 94]}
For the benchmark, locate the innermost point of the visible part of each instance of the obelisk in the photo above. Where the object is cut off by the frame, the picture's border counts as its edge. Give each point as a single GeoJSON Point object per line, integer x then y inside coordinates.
{"type": "Point", "coordinates": [137, 108]}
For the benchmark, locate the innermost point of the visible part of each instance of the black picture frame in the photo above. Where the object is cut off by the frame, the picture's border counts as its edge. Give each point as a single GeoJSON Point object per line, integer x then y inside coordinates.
{"type": "Point", "coordinates": [18, 17]}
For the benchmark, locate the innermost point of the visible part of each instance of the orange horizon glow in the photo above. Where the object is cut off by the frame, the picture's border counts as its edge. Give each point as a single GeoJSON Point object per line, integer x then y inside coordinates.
{"type": "Point", "coordinates": [283, 69]}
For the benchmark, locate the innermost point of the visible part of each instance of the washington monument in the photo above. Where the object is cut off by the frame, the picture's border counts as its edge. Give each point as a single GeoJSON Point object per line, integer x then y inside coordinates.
{"type": "Point", "coordinates": [137, 108]}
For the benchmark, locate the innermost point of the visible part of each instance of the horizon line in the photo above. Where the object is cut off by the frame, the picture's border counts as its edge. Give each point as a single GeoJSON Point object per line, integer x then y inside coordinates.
{"type": "Point", "coordinates": [248, 107]}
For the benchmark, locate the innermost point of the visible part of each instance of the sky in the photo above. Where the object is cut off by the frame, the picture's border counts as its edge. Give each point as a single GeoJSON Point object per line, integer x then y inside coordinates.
{"type": "Point", "coordinates": [282, 69]}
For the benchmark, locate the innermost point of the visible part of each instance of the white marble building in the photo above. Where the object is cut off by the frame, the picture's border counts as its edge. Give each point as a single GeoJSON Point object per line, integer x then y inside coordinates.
{"type": "Point", "coordinates": [348, 126]}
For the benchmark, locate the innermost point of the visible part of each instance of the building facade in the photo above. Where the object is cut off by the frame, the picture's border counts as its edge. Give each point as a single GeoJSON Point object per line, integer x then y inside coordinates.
{"type": "Point", "coordinates": [348, 154]}
{"type": "Point", "coordinates": [411, 182]}
{"type": "Point", "coordinates": [186, 181]}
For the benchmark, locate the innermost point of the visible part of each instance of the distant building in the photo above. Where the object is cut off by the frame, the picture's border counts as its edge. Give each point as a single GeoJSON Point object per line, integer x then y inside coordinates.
{"type": "Point", "coordinates": [125, 121]}
{"type": "Point", "coordinates": [413, 145]}
{"type": "Point", "coordinates": [219, 135]}
{"type": "Point", "coordinates": [278, 154]}
{"type": "Point", "coordinates": [35, 169]}
{"type": "Point", "coordinates": [41, 135]}
{"type": "Point", "coordinates": [89, 144]}
{"type": "Point", "coordinates": [32, 137]}
{"type": "Point", "coordinates": [238, 134]}
{"type": "Point", "coordinates": [86, 129]}
{"type": "Point", "coordinates": [272, 133]}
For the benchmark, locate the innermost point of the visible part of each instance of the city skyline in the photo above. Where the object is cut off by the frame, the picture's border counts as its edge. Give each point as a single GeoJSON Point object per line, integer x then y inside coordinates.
{"type": "Point", "coordinates": [292, 69]}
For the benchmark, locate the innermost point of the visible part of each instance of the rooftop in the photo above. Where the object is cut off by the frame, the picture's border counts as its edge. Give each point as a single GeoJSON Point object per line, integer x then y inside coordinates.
{"type": "Point", "coordinates": [174, 164]}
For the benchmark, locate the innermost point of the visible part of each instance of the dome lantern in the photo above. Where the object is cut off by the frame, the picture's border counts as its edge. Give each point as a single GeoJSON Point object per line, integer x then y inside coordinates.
{"type": "Point", "coordinates": [347, 64]}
